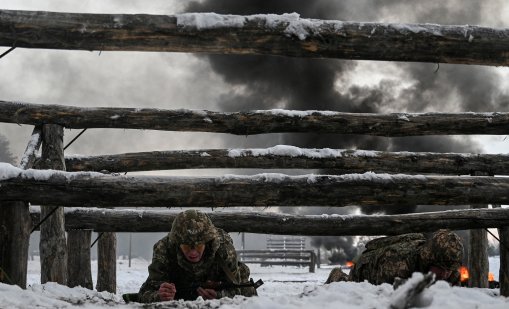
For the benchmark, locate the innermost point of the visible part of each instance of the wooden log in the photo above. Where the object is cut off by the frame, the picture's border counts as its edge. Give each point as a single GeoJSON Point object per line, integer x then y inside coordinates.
{"type": "Point", "coordinates": [105, 220]}
{"type": "Point", "coordinates": [283, 35]}
{"type": "Point", "coordinates": [504, 261]}
{"type": "Point", "coordinates": [478, 267]}
{"type": "Point", "coordinates": [15, 226]}
{"type": "Point", "coordinates": [29, 156]}
{"type": "Point", "coordinates": [341, 161]}
{"type": "Point", "coordinates": [79, 267]}
{"type": "Point", "coordinates": [503, 277]}
{"type": "Point", "coordinates": [312, 262]}
{"type": "Point", "coordinates": [478, 253]}
{"type": "Point", "coordinates": [107, 263]}
{"type": "Point", "coordinates": [98, 190]}
{"type": "Point", "coordinates": [53, 244]}
{"type": "Point", "coordinates": [257, 122]}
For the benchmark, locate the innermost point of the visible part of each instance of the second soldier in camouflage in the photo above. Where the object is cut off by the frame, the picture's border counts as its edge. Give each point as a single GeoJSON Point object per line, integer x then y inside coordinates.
{"type": "Point", "coordinates": [388, 258]}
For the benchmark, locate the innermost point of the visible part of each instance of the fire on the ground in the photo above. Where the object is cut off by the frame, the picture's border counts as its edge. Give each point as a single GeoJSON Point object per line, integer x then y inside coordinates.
{"type": "Point", "coordinates": [464, 278]}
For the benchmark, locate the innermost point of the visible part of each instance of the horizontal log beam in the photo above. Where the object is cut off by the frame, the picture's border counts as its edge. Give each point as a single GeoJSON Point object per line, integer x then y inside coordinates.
{"type": "Point", "coordinates": [256, 122]}
{"type": "Point", "coordinates": [107, 220]}
{"type": "Point", "coordinates": [283, 35]}
{"type": "Point", "coordinates": [288, 157]}
{"type": "Point", "coordinates": [94, 189]}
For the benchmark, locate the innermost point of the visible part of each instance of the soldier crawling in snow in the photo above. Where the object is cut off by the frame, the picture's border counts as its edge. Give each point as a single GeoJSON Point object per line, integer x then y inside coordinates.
{"type": "Point", "coordinates": [387, 258]}
{"type": "Point", "coordinates": [194, 251]}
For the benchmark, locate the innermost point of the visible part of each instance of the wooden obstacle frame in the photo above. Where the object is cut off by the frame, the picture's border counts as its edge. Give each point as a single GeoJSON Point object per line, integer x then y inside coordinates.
{"type": "Point", "coordinates": [413, 179]}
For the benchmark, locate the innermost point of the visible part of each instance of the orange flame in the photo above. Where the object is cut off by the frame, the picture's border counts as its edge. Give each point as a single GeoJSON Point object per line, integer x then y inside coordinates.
{"type": "Point", "coordinates": [463, 273]}
{"type": "Point", "coordinates": [349, 264]}
{"type": "Point", "coordinates": [491, 277]}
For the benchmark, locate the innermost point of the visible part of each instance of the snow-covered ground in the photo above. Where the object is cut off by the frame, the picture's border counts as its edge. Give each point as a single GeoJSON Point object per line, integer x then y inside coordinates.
{"type": "Point", "coordinates": [285, 287]}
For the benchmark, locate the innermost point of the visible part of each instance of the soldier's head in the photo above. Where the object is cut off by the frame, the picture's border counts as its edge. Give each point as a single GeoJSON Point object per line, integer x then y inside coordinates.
{"type": "Point", "coordinates": [193, 232]}
{"type": "Point", "coordinates": [442, 253]}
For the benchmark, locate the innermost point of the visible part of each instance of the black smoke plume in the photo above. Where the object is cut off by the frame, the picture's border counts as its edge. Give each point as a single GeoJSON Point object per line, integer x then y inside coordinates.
{"type": "Point", "coordinates": [264, 82]}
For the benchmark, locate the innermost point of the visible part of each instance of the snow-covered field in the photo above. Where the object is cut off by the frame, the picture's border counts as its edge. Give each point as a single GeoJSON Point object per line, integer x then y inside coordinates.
{"type": "Point", "coordinates": [285, 287]}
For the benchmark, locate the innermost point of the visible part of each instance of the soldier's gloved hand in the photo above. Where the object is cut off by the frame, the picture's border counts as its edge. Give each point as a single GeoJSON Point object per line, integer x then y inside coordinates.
{"type": "Point", "coordinates": [167, 291]}
{"type": "Point", "coordinates": [206, 293]}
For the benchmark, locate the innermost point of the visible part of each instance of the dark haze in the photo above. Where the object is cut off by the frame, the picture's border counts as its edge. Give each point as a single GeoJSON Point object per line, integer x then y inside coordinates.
{"type": "Point", "coordinates": [264, 82]}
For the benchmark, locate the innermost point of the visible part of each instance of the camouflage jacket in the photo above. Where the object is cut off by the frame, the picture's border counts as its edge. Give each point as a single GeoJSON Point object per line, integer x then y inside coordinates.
{"type": "Point", "coordinates": [399, 256]}
{"type": "Point", "coordinates": [389, 257]}
{"type": "Point", "coordinates": [168, 265]}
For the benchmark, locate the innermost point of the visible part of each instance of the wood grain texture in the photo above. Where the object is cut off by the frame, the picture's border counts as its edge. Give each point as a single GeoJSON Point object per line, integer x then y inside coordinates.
{"type": "Point", "coordinates": [256, 122]}
{"type": "Point", "coordinates": [256, 35]}
{"type": "Point", "coordinates": [127, 220]}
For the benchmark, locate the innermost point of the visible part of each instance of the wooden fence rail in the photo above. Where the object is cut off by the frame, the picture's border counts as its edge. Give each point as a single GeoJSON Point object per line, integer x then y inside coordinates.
{"type": "Point", "coordinates": [95, 189]}
{"type": "Point", "coordinates": [130, 220]}
{"type": "Point", "coordinates": [284, 35]}
{"type": "Point", "coordinates": [342, 161]}
{"type": "Point", "coordinates": [257, 122]}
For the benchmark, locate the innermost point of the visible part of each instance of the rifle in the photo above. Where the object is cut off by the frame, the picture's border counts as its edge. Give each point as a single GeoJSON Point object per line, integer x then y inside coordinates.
{"type": "Point", "coordinates": [221, 285]}
{"type": "Point", "coordinates": [215, 285]}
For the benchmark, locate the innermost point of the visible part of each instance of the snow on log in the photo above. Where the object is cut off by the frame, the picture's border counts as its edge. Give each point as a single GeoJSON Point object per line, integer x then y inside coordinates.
{"type": "Point", "coordinates": [342, 161]}
{"type": "Point", "coordinates": [29, 156]}
{"type": "Point", "coordinates": [94, 189]}
{"type": "Point", "coordinates": [282, 35]}
{"type": "Point", "coordinates": [130, 220]}
{"type": "Point", "coordinates": [257, 122]}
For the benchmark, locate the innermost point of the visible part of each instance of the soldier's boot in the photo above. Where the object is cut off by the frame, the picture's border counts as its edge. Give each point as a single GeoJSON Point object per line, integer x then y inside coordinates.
{"type": "Point", "coordinates": [337, 275]}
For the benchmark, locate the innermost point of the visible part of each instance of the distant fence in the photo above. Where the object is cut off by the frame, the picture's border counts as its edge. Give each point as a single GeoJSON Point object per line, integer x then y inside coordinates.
{"type": "Point", "coordinates": [286, 243]}
{"type": "Point", "coordinates": [279, 257]}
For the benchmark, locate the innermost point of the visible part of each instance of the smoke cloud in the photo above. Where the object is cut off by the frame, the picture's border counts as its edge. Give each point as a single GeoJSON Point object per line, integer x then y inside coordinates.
{"type": "Point", "coordinates": [233, 83]}
{"type": "Point", "coordinates": [264, 82]}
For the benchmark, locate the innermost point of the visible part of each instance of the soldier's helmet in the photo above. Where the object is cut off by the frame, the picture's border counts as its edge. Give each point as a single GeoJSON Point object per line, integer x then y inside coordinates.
{"type": "Point", "coordinates": [192, 227]}
{"type": "Point", "coordinates": [444, 250]}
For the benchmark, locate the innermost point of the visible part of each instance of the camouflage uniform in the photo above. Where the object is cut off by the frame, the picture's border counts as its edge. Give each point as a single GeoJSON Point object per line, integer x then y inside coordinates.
{"type": "Point", "coordinates": [399, 256]}
{"type": "Point", "coordinates": [170, 265]}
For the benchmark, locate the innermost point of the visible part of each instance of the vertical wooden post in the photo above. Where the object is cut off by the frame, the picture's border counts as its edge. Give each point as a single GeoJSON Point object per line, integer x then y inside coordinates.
{"type": "Point", "coordinates": [312, 261]}
{"type": "Point", "coordinates": [478, 264]}
{"type": "Point", "coordinates": [107, 263]}
{"type": "Point", "coordinates": [503, 275]}
{"type": "Point", "coordinates": [478, 258]}
{"type": "Point", "coordinates": [318, 257]}
{"type": "Point", "coordinates": [79, 268]}
{"type": "Point", "coordinates": [15, 226]}
{"type": "Point", "coordinates": [130, 247]}
{"type": "Point", "coordinates": [52, 246]}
